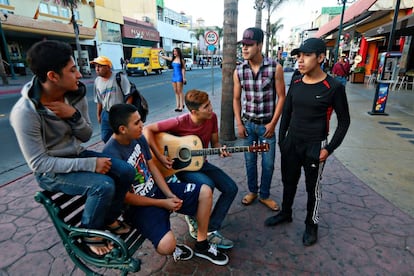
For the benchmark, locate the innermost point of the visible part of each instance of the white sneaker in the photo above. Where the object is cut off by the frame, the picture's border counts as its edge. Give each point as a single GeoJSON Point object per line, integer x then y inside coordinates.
{"type": "Point", "coordinates": [182, 253]}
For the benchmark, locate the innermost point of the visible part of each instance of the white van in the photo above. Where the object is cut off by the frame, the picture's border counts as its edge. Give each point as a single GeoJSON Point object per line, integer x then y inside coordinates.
{"type": "Point", "coordinates": [188, 64]}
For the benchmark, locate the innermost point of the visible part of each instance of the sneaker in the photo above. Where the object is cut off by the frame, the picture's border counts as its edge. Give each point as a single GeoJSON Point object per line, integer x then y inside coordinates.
{"type": "Point", "coordinates": [213, 255]}
{"type": "Point", "coordinates": [182, 253]}
{"type": "Point", "coordinates": [278, 219]}
{"type": "Point", "coordinates": [192, 226]}
{"type": "Point", "coordinates": [310, 236]}
{"type": "Point", "coordinates": [221, 242]}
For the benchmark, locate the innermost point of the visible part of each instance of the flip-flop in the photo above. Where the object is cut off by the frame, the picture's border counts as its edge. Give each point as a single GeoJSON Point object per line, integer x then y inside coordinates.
{"type": "Point", "coordinates": [88, 242]}
{"type": "Point", "coordinates": [271, 204]}
{"type": "Point", "coordinates": [249, 198]}
{"type": "Point", "coordinates": [120, 228]}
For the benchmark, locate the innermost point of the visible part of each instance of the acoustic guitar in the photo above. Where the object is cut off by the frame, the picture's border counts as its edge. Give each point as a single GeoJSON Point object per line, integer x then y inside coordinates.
{"type": "Point", "coordinates": [188, 153]}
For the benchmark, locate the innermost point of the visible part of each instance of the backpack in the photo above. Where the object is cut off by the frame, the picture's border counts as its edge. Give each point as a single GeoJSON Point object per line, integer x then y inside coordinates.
{"type": "Point", "coordinates": [137, 99]}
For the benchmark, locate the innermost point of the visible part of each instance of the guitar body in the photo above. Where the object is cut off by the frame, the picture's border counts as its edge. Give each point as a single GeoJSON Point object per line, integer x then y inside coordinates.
{"type": "Point", "coordinates": [188, 153]}
{"type": "Point", "coordinates": [179, 149]}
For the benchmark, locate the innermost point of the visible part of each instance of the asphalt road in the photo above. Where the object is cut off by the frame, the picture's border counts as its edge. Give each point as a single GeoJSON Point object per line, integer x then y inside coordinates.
{"type": "Point", "coordinates": [156, 89]}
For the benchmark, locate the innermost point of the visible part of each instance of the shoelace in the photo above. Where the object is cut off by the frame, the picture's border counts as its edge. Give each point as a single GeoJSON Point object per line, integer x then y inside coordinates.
{"type": "Point", "coordinates": [177, 254]}
{"type": "Point", "coordinates": [213, 249]}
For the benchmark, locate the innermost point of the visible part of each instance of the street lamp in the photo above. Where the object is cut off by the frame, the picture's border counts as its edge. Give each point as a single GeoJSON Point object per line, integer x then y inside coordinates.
{"type": "Point", "coordinates": [6, 48]}
{"type": "Point", "coordinates": [343, 2]}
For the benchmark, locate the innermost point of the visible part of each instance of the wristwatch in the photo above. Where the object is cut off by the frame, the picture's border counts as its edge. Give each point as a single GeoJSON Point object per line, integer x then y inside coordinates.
{"type": "Point", "coordinates": [75, 117]}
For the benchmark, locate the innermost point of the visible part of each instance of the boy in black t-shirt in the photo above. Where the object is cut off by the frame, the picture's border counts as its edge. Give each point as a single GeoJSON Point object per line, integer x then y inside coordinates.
{"type": "Point", "coordinates": [303, 133]}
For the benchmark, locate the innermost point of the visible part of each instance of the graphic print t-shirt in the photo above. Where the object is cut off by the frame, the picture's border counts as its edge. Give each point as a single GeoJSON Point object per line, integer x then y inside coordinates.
{"type": "Point", "coordinates": [136, 153]}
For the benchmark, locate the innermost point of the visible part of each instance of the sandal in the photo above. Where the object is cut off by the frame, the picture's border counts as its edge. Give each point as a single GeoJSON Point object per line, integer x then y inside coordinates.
{"type": "Point", "coordinates": [94, 244]}
{"type": "Point", "coordinates": [270, 203]}
{"type": "Point", "coordinates": [118, 228]}
{"type": "Point", "coordinates": [248, 199]}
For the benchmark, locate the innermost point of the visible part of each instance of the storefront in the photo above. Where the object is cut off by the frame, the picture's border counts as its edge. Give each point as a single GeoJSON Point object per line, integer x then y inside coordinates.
{"type": "Point", "coordinates": [137, 33]}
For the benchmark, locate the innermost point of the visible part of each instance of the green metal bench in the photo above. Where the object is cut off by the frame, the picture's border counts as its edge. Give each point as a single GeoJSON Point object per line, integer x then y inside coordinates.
{"type": "Point", "coordinates": [66, 212]}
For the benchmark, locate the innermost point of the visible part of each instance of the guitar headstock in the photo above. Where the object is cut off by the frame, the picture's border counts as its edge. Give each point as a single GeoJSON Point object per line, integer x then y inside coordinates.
{"type": "Point", "coordinates": [262, 147]}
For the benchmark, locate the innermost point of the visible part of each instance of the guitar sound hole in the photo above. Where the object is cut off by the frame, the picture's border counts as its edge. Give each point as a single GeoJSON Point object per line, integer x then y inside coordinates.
{"type": "Point", "coordinates": [184, 154]}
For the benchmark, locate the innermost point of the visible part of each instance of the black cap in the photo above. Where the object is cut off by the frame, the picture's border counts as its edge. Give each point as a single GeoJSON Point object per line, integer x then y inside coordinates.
{"type": "Point", "coordinates": [310, 45]}
{"type": "Point", "coordinates": [252, 35]}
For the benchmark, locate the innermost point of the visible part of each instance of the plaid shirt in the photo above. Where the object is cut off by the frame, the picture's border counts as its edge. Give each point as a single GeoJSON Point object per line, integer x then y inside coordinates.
{"type": "Point", "coordinates": [259, 91]}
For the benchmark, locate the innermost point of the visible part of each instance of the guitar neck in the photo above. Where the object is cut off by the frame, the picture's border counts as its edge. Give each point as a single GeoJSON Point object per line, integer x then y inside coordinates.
{"type": "Point", "coordinates": [214, 151]}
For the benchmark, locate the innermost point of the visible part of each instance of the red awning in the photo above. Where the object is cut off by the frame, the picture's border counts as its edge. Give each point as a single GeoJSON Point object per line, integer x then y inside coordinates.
{"type": "Point", "coordinates": [133, 28]}
{"type": "Point", "coordinates": [352, 12]}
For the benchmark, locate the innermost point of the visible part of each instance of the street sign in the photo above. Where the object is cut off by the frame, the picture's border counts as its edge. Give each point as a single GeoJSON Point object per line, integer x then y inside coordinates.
{"type": "Point", "coordinates": [211, 48]}
{"type": "Point", "coordinates": [211, 37]}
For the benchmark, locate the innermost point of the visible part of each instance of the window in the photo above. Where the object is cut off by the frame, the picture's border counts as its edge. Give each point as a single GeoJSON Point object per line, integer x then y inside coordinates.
{"type": "Point", "coordinates": [43, 8]}
{"type": "Point", "coordinates": [56, 10]}
{"type": "Point", "coordinates": [4, 2]}
{"type": "Point", "coordinates": [64, 12]}
{"type": "Point", "coordinates": [53, 10]}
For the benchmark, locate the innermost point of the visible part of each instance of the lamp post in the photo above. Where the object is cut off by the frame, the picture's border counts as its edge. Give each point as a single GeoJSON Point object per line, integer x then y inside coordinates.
{"type": "Point", "coordinates": [6, 48]}
{"type": "Point", "coordinates": [343, 2]}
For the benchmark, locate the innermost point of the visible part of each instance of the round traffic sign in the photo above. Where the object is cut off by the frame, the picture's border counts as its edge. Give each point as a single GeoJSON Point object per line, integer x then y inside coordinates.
{"type": "Point", "coordinates": [211, 37]}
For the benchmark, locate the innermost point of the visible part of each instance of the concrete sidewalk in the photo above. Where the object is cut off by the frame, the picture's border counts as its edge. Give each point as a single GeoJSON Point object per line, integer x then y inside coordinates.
{"type": "Point", "coordinates": [367, 217]}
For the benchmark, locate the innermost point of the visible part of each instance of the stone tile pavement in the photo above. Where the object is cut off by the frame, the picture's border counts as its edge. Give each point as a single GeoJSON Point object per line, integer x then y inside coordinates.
{"type": "Point", "coordinates": [361, 231]}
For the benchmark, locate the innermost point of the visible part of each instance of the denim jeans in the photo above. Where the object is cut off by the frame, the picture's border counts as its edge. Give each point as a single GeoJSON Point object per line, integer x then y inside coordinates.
{"type": "Point", "coordinates": [341, 80]}
{"type": "Point", "coordinates": [215, 178]}
{"type": "Point", "coordinates": [105, 193]}
{"type": "Point", "coordinates": [106, 130]}
{"type": "Point", "coordinates": [255, 134]}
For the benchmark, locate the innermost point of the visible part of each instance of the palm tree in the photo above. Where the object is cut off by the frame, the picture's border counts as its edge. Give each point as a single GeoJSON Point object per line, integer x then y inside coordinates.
{"type": "Point", "coordinates": [199, 34]}
{"type": "Point", "coordinates": [72, 5]}
{"type": "Point", "coordinates": [259, 5]}
{"type": "Point", "coordinates": [228, 66]}
{"type": "Point", "coordinates": [274, 28]}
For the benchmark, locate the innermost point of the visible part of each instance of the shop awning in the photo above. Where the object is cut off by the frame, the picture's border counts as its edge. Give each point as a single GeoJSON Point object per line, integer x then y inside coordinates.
{"type": "Point", "coordinates": [135, 29]}
{"type": "Point", "coordinates": [355, 10]}
{"type": "Point", "coordinates": [24, 24]}
{"type": "Point", "coordinates": [405, 26]}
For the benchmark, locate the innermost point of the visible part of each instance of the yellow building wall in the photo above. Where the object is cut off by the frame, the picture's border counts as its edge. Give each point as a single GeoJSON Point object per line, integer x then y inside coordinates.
{"type": "Point", "coordinates": [137, 9]}
{"type": "Point", "coordinates": [109, 10]}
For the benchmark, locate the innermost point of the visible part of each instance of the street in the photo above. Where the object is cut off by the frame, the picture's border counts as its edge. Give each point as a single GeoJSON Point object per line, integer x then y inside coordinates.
{"type": "Point", "coordinates": [156, 89]}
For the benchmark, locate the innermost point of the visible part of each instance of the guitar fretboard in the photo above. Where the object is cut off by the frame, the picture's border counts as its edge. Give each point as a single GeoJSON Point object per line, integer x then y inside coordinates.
{"type": "Point", "coordinates": [212, 151]}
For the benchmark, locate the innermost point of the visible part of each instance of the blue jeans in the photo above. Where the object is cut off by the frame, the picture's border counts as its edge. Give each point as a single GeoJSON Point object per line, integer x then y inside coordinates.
{"type": "Point", "coordinates": [255, 134]}
{"type": "Point", "coordinates": [215, 178]}
{"type": "Point", "coordinates": [106, 130]}
{"type": "Point", "coordinates": [105, 193]}
{"type": "Point", "coordinates": [341, 80]}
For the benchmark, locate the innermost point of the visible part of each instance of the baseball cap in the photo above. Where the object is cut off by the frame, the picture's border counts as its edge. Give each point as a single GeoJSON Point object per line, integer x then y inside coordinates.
{"type": "Point", "coordinates": [102, 60]}
{"type": "Point", "coordinates": [252, 35]}
{"type": "Point", "coordinates": [310, 45]}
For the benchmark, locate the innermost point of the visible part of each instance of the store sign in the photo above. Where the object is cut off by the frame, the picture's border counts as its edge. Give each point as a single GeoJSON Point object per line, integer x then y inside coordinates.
{"type": "Point", "coordinates": [143, 32]}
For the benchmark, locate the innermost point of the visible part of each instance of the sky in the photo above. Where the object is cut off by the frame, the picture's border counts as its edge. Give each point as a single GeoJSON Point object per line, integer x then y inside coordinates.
{"type": "Point", "coordinates": [294, 12]}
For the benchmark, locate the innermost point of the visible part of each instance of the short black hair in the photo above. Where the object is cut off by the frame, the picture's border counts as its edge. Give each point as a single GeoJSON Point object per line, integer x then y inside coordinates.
{"type": "Point", "coordinates": [119, 115]}
{"type": "Point", "coordinates": [48, 55]}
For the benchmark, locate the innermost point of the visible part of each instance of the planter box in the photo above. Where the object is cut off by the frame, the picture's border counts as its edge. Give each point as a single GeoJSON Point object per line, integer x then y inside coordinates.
{"type": "Point", "coordinates": [357, 77]}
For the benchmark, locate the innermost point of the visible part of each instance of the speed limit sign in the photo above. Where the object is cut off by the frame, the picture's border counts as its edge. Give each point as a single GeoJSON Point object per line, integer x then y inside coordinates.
{"type": "Point", "coordinates": [211, 37]}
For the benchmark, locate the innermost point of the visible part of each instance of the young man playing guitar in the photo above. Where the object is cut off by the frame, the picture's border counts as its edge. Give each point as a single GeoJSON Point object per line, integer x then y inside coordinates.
{"type": "Point", "coordinates": [202, 122]}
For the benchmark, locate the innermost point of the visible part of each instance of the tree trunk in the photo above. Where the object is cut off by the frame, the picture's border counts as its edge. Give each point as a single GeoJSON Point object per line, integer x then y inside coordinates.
{"type": "Point", "coordinates": [267, 33]}
{"type": "Point", "coordinates": [3, 74]}
{"type": "Point", "coordinates": [229, 64]}
{"type": "Point", "coordinates": [77, 41]}
{"type": "Point", "coordinates": [259, 7]}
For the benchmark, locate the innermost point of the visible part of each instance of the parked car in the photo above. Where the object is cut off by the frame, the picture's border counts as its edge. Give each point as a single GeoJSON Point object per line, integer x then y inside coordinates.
{"type": "Point", "coordinates": [188, 64]}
